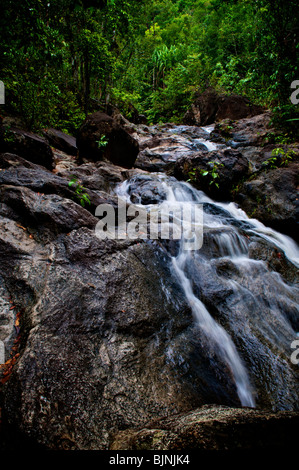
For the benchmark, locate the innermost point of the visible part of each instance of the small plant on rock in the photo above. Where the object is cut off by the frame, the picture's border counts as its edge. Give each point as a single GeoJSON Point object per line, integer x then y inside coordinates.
{"type": "Point", "coordinates": [102, 142]}
{"type": "Point", "coordinates": [8, 135]}
{"type": "Point", "coordinates": [212, 173]}
{"type": "Point", "coordinates": [82, 196]}
{"type": "Point", "coordinates": [279, 158]}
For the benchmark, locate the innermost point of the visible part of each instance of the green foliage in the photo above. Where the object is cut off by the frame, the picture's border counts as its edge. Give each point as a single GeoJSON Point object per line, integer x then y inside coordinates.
{"type": "Point", "coordinates": [102, 142]}
{"type": "Point", "coordinates": [212, 174]}
{"type": "Point", "coordinates": [279, 158]}
{"type": "Point", "coordinates": [284, 118]}
{"type": "Point", "coordinates": [80, 193]}
{"type": "Point", "coordinates": [64, 58]}
{"type": "Point", "coordinates": [60, 55]}
{"type": "Point", "coordinates": [8, 136]}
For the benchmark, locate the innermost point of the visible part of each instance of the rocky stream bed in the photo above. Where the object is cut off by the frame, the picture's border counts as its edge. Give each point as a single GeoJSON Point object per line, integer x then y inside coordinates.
{"type": "Point", "coordinates": [103, 348]}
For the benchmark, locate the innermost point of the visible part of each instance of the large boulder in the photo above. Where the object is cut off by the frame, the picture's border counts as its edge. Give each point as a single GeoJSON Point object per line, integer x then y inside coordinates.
{"type": "Point", "coordinates": [61, 141]}
{"type": "Point", "coordinates": [211, 106]}
{"type": "Point", "coordinates": [108, 339]}
{"type": "Point", "coordinates": [18, 173]}
{"type": "Point", "coordinates": [248, 132]}
{"type": "Point", "coordinates": [101, 354]}
{"type": "Point", "coordinates": [46, 213]}
{"type": "Point", "coordinates": [122, 149]}
{"type": "Point", "coordinates": [269, 191]}
{"type": "Point", "coordinates": [166, 144]}
{"type": "Point", "coordinates": [31, 147]}
{"type": "Point", "coordinates": [216, 172]}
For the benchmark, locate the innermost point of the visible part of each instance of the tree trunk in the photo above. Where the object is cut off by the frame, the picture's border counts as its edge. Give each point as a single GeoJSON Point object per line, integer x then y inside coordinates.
{"type": "Point", "coordinates": [86, 65]}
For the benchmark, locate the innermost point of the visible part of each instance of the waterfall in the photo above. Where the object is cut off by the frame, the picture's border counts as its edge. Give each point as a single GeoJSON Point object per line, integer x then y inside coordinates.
{"type": "Point", "coordinates": [260, 306]}
{"type": "Point", "coordinates": [182, 194]}
{"type": "Point", "coordinates": [215, 334]}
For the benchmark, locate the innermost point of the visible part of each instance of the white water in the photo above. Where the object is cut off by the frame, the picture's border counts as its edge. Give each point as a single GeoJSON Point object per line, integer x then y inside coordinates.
{"type": "Point", "coordinates": [208, 144]}
{"type": "Point", "coordinates": [283, 242]}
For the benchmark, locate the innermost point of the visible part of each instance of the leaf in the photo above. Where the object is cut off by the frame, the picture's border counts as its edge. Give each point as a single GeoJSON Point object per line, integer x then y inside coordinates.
{"type": "Point", "coordinates": [21, 226]}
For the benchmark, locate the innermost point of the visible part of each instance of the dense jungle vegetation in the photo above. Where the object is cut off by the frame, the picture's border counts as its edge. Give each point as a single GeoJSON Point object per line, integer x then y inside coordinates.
{"type": "Point", "coordinates": [64, 58]}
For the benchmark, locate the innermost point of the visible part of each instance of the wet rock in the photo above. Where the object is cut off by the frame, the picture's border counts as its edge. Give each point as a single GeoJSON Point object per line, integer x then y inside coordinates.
{"type": "Point", "coordinates": [214, 172]}
{"type": "Point", "coordinates": [44, 182]}
{"type": "Point", "coordinates": [7, 320]}
{"type": "Point", "coordinates": [276, 260]}
{"type": "Point", "coordinates": [46, 213]}
{"type": "Point", "coordinates": [100, 353]}
{"type": "Point", "coordinates": [99, 176]}
{"type": "Point", "coordinates": [121, 149]}
{"type": "Point", "coordinates": [34, 177]}
{"type": "Point", "coordinates": [61, 141]}
{"type": "Point", "coordinates": [153, 162]}
{"type": "Point", "coordinates": [253, 131]}
{"type": "Point", "coordinates": [155, 142]}
{"type": "Point", "coordinates": [272, 198]}
{"type": "Point", "coordinates": [269, 191]}
{"type": "Point", "coordinates": [8, 160]}
{"type": "Point", "coordinates": [108, 341]}
{"type": "Point", "coordinates": [214, 428]}
{"type": "Point", "coordinates": [95, 344]}
{"type": "Point", "coordinates": [144, 189]}
{"type": "Point", "coordinates": [168, 144]}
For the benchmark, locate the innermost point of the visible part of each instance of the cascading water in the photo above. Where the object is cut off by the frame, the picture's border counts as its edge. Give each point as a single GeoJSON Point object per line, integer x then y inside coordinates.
{"type": "Point", "coordinates": [215, 334]}
{"type": "Point", "coordinates": [252, 288]}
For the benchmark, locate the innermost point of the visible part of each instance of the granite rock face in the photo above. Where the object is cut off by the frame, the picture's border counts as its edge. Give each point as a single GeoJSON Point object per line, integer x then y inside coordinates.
{"type": "Point", "coordinates": [214, 428]}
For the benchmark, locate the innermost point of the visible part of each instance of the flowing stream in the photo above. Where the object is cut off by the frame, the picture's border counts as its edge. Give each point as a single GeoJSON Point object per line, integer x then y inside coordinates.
{"type": "Point", "coordinates": [213, 331]}
{"type": "Point", "coordinates": [228, 228]}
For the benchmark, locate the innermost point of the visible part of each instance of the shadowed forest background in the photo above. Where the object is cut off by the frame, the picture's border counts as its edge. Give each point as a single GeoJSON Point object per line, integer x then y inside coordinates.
{"type": "Point", "coordinates": [62, 59]}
